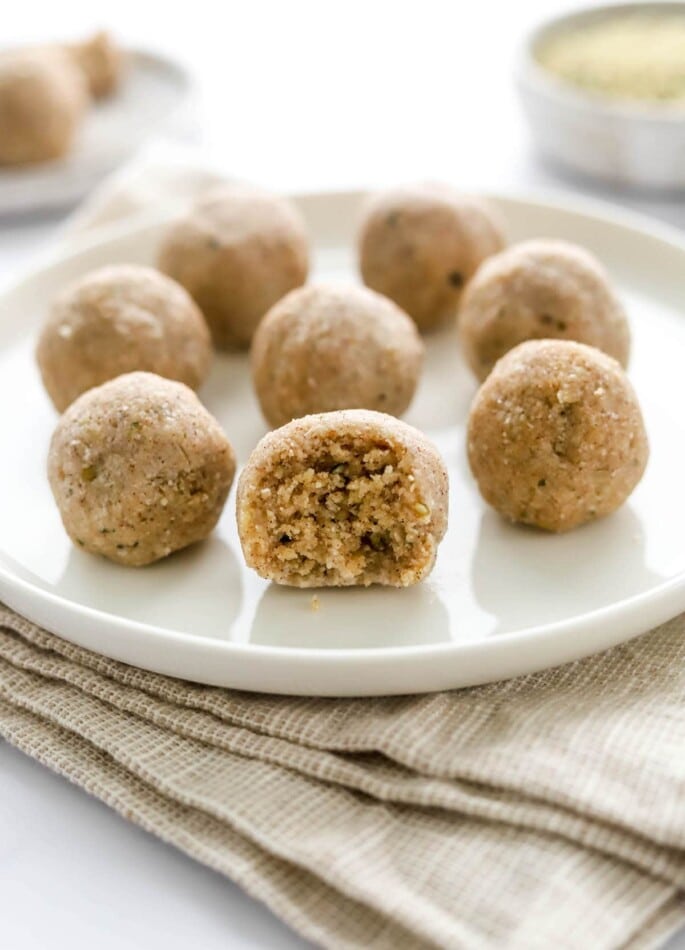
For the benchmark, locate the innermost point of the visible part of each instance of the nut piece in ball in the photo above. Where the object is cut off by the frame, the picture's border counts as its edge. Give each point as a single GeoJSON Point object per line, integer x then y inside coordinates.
{"type": "Point", "coordinates": [555, 435]}
{"type": "Point", "coordinates": [341, 499]}
{"type": "Point", "coordinates": [237, 252]}
{"type": "Point", "coordinates": [420, 244]}
{"type": "Point", "coordinates": [139, 469]}
{"type": "Point", "coordinates": [116, 320]}
{"type": "Point", "coordinates": [538, 290]}
{"type": "Point", "coordinates": [43, 98]}
{"type": "Point", "coordinates": [102, 62]}
{"type": "Point", "coordinates": [327, 346]}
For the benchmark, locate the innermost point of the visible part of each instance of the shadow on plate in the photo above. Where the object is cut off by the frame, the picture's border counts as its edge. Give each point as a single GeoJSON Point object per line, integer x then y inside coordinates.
{"type": "Point", "coordinates": [350, 618]}
{"type": "Point", "coordinates": [229, 395]}
{"type": "Point", "coordinates": [447, 385]}
{"type": "Point", "coordinates": [196, 591]}
{"type": "Point", "coordinates": [524, 577]}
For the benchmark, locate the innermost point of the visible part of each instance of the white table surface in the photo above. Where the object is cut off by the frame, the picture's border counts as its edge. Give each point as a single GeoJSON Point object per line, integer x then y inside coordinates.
{"type": "Point", "coordinates": [297, 95]}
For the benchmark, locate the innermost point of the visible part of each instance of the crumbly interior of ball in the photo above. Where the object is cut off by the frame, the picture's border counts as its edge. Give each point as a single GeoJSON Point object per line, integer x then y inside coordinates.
{"type": "Point", "coordinates": [350, 513]}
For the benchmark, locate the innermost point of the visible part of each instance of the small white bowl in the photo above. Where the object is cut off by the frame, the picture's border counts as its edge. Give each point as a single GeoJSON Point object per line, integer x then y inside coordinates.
{"type": "Point", "coordinates": [628, 143]}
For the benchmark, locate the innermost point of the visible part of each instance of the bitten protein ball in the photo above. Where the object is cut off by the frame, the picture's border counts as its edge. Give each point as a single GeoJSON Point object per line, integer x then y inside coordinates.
{"type": "Point", "coordinates": [102, 61]}
{"type": "Point", "coordinates": [537, 290]}
{"type": "Point", "coordinates": [139, 469]}
{"type": "Point", "coordinates": [237, 252]}
{"type": "Point", "coordinates": [555, 435]}
{"type": "Point", "coordinates": [343, 498]}
{"type": "Point", "coordinates": [420, 244]}
{"type": "Point", "coordinates": [329, 346]}
{"type": "Point", "coordinates": [43, 98]}
{"type": "Point", "coordinates": [116, 320]}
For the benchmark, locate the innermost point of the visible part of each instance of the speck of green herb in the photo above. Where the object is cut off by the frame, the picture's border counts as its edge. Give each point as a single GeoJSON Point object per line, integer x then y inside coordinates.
{"type": "Point", "coordinates": [377, 540]}
{"type": "Point", "coordinates": [89, 473]}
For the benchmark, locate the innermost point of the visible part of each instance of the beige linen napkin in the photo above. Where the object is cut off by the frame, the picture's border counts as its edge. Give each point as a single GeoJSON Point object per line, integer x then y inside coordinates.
{"type": "Point", "coordinates": [547, 811]}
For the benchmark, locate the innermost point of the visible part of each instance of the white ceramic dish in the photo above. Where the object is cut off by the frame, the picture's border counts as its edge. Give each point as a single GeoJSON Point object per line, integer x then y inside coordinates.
{"type": "Point", "coordinates": [501, 600]}
{"type": "Point", "coordinates": [154, 98]}
{"type": "Point", "coordinates": [640, 145]}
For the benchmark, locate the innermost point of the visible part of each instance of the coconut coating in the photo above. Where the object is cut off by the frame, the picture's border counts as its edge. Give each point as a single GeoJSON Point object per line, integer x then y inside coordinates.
{"type": "Point", "coordinates": [237, 252]}
{"type": "Point", "coordinates": [43, 97]}
{"type": "Point", "coordinates": [343, 498]}
{"type": "Point", "coordinates": [116, 320]}
{"type": "Point", "coordinates": [556, 436]}
{"type": "Point", "coordinates": [538, 290]}
{"type": "Point", "coordinates": [327, 346]}
{"type": "Point", "coordinates": [420, 244]}
{"type": "Point", "coordinates": [102, 61]}
{"type": "Point", "coordinates": [139, 469]}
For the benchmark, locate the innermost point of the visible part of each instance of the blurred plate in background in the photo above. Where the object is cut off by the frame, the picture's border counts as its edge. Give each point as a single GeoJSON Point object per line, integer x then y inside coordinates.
{"type": "Point", "coordinates": [155, 98]}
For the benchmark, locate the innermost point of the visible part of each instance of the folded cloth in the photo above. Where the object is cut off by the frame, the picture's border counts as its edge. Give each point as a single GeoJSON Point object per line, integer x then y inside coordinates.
{"type": "Point", "coordinates": [545, 811]}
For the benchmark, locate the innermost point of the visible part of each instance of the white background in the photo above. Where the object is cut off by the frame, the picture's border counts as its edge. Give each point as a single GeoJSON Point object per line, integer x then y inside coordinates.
{"type": "Point", "coordinates": [300, 95]}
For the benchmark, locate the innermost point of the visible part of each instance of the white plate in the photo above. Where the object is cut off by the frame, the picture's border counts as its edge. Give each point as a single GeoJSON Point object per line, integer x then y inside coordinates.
{"type": "Point", "coordinates": [154, 97]}
{"type": "Point", "coordinates": [501, 600]}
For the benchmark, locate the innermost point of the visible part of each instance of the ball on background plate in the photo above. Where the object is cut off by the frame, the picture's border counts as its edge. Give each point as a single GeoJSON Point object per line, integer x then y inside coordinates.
{"type": "Point", "coordinates": [117, 320]}
{"type": "Point", "coordinates": [341, 499]}
{"type": "Point", "coordinates": [43, 99]}
{"type": "Point", "coordinates": [102, 61]}
{"type": "Point", "coordinates": [237, 252]}
{"type": "Point", "coordinates": [540, 289]}
{"type": "Point", "coordinates": [139, 469]}
{"type": "Point", "coordinates": [556, 436]}
{"type": "Point", "coordinates": [420, 244]}
{"type": "Point", "coordinates": [330, 346]}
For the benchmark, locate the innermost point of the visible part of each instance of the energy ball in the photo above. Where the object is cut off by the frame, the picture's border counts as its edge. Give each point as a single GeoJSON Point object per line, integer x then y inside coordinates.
{"type": "Point", "coordinates": [555, 435]}
{"type": "Point", "coordinates": [102, 62]}
{"type": "Point", "coordinates": [237, 252]}
{"type": "Point", "coordinates": [328, 346]}
{"type": "Point", "coordinates": [116, 320]}
{"type": "Point", "coordinates": [139, 469]}
{"type": "Point", "coordinates": [43, 98]}
{"type": "Point", "coordinates": [343, 498]}
{"type": "Point", "coordinates": [538, 290]}
{"type": "Point", "coordinates": [420, 244]}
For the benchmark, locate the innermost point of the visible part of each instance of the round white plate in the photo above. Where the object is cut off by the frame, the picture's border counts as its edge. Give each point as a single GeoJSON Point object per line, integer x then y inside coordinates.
{"type": "Point", "coordinates": [501, 601]}
{"type": "Point", "coordinates": [154, 97]}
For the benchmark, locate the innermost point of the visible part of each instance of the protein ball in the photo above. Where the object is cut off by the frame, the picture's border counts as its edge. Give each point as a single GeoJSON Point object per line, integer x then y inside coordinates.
{"type": "Point", "coordinates": [102, 61]}
{"type": "Point", "coordinates": [537, 290]}
{"type": "Point", "coordinates": [327, 346]}
{"type": "Point", "coordinates": [237, 252]}
{"type": "Point", "coordinates": [139, 469]}
{"type": "Point", "coordinates": [555, 435]}
{"type": "Point", "coordinates": [343, 498]}
{"type": "Point", "coordinates": [43, 97]}
{"type": "Point", "coordinates": [420, 244]}
{"type": "Point", "coordinates": [116, 320]}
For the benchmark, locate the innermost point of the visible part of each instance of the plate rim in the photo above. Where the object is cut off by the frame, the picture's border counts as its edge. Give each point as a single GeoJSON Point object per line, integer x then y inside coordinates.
{"type": "Point", "coordinates": [636, 613]}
